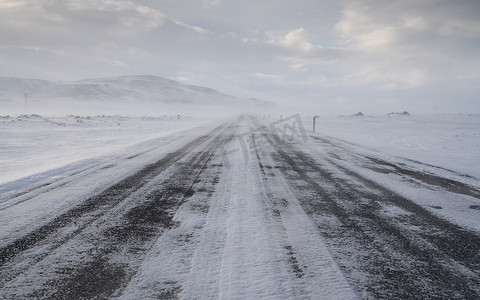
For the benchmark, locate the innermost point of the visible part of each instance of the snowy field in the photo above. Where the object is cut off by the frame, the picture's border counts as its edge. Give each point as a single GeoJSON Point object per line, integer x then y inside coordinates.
{"type": "Point", "coordinates": [32, 143]}
{"type": "Point", "coordinates": [183, 207]}
{"type": "Point", "coordinates": [449, 141]}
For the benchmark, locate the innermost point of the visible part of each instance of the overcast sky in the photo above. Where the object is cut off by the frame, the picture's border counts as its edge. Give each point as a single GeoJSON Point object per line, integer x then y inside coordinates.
{"type": "Point", "coordinates": [373, 56]}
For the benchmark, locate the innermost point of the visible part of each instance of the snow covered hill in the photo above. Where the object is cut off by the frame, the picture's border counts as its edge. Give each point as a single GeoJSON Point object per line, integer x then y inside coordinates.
{"type": "Point", "coordinates": [125, 89]}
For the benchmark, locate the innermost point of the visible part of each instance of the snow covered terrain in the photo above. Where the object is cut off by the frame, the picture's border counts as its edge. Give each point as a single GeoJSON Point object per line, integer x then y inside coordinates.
{"type": "Point", "coordinates": [33, 143]}
{"type": "Point", "coordinates": [176, 207]}
{"type": "Point", "coordinates": [449, 141]}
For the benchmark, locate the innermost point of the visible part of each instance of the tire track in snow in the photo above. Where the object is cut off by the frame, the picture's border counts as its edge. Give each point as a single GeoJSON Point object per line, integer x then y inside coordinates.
{"type": "Point", "coordinates": [280, 223]}
{"type": "Point", "coordinates": [268, 246]}
{"type": "Point", "coordinates": [161, 274]}
{"type": "Point", "coordinates": [243, 246]}
{"type": "Point", "coordinates": [12, 199]}
{"type": "Point", "coordinates": [382, 166]}
{"type": "Point", "coordinates": [317, 273]}
{"type": "Point", "coordinates": [155, 208]}
{"type": "Point", "coordinates": [412, 253]}
{"type": "Point", "coordinates": [102, 202]}
{"type": "Point", "coordinates": [229, 247]}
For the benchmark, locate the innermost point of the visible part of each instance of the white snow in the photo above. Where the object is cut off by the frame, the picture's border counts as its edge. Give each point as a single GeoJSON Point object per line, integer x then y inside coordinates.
{"type": "Point", "coordinates": [40, 197]}
{"type": "Point", "coordinates": [32, 144]}
{"type": "Point", "coordinates": [449, 141]}
{"type": "Point", "coordinates": [447, 146]}
{"type": "Point", "coordinates": [240, 248]}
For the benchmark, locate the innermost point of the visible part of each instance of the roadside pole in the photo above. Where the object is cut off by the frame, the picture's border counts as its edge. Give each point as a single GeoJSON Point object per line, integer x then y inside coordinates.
{"type": "Point", "coordinates": [314, 118]}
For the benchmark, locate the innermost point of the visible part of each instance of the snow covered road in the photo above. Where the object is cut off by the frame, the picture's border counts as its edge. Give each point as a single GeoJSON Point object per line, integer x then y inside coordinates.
{"type": "Point", "coordinates": [244, 210]}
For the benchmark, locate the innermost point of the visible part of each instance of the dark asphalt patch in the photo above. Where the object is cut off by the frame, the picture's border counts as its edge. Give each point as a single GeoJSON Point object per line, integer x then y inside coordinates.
{"type": "Point", "coordinates": [97, 279]}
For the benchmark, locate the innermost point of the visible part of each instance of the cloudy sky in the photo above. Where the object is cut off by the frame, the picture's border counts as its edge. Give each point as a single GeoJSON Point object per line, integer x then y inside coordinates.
{"type": "Point", "coordinates": [333, 56]}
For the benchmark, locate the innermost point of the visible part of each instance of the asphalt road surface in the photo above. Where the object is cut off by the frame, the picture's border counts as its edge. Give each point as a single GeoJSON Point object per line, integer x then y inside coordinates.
{"type": "Point", "coordinates": [246, 209]}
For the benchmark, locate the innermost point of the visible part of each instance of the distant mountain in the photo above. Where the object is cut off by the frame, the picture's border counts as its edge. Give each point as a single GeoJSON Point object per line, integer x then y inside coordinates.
{"type": "Point", "coordinates": [124, 88]}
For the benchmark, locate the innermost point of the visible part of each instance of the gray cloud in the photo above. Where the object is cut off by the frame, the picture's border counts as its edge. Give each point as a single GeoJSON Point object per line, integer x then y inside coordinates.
{"type": "Point", "coordinates": [336, 54]}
